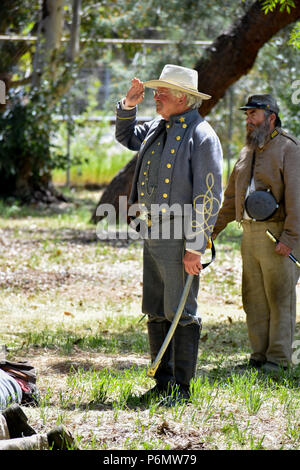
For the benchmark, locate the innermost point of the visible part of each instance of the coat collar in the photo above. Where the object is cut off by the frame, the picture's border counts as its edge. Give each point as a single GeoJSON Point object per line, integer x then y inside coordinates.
{"type": "Point", "coordinates": [187, 117]}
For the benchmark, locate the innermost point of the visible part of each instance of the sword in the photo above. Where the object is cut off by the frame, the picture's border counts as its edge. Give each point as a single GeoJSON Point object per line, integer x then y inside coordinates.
{"type": "Point", "coordinates": [154, 366]}
{"type": "Point", "coordinates": [275, 240]}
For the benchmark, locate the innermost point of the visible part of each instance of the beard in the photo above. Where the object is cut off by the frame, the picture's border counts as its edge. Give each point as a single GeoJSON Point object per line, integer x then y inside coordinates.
{"type": "Point", "coordinates": [257, 136]}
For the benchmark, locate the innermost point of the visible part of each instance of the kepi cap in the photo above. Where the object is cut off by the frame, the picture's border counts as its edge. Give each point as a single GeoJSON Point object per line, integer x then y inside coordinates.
{"type": "Point", "coordinates": [262, 102]}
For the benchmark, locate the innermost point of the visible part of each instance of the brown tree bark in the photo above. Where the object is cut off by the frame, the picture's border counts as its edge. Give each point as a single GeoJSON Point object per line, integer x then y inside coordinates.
{"type": "Point", "coordinates": [233, 53]}
{"type": "Point", "coordinates": [231, 56]}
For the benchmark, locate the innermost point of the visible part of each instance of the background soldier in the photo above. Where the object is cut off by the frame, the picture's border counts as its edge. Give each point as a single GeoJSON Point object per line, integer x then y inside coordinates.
{"type": "Point", "coordinates": [267, 172]}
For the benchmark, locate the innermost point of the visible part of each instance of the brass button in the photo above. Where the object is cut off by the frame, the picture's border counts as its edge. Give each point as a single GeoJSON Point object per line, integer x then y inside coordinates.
{"type": "Point", "coordinates": [164, 210]}
{"type": "Point", "coordinates": [142, 194]}
{"type": "Point", "coordinates": [148, 162]}
{"type": "Point", "coordinates": [172, 150]}
{"type": "Point", "coordinates": [178, 137]}
{"type": "Point", "coordinates": [169, 165]}
{"type": "Point", "coordinates": [152, 152]}
{"type": "Point", "coordinates": [158, 143]}
{"type": "Point", "coordinates": [168, 126]}
{"type": "Point", "coordinates": [165, 195]}
{"type": "Point", "coordinates": [184, 126]}
{"type": "Point", "coordinates": [142, 183]}
{"type": "Point", "coordinates": [167, 180]}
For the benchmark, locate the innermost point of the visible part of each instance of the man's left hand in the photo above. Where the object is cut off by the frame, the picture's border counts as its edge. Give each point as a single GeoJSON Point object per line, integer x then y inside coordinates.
{"type": "Point", "coordinates": [282, 249]}
{"type": "Point", "coordinates": [192, 263]}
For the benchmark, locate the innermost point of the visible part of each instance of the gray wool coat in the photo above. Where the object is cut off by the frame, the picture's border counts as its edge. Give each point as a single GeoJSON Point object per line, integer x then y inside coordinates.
{"type": "Point", "coordinates": [190, 172]}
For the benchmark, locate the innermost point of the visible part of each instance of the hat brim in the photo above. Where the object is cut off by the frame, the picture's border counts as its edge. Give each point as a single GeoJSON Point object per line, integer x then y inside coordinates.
{"type": "Point", "coordinates": [174, 86]}
{"type": "Point", "coordinates": [244, 108]}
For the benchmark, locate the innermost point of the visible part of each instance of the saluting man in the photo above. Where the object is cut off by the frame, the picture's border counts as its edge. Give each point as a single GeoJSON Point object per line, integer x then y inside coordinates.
{"type": "Point", "coordinates": [179, 165]}
{"type": "Point", "coordinates": [268, 169]}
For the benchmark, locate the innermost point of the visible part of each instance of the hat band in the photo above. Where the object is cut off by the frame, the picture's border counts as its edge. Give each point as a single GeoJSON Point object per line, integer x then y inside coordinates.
{"type": "Point", "coordinates": [258, 105]}
{"type": "Point", "coordinates": [180, 85]}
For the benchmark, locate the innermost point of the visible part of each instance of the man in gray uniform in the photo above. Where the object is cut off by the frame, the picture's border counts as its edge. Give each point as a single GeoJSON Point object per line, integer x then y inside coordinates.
{"type": "Point", "coordinates": [177, 179]}
{"type": "Point", "coordinates": [268, 167]}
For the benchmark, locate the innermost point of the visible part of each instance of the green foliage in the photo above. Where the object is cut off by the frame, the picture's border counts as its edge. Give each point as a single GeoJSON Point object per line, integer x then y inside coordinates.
{"type": "Point", "coordinates": [295, 36]}
{"type": "Point", "coordinates": [25, 132]}
{"type": "Point", "coordinates": [183, 21]}
{"type": "Point", "coordinates": [93, 156]}
{"type": "Point", "coordinates": [270, 5]}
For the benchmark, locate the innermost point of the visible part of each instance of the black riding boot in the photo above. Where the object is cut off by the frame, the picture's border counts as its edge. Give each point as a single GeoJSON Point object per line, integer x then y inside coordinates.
{"type": "Point", "coordinates": [186, 343]}
{"type": "Point", "coordinates": [16, 421]}
{"type": "Point", "coordinates": [157, 331]}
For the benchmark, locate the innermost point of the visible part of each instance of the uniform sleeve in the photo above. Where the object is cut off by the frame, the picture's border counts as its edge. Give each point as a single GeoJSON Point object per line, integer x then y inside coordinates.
{"type": "Point", "coordinates": [291, 176]}
{"type": "Point", "coordinates": [127, 132]}
{"type": "Point", "coordinates": [206, 163]}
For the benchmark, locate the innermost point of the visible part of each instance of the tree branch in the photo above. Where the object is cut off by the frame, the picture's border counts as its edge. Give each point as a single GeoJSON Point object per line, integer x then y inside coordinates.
{"type": "Point", "coordinates": [234, 52]}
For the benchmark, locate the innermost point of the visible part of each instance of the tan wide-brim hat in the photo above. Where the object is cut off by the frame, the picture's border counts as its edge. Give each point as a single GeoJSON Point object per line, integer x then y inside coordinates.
{"type": "Point", "coordinates": [178, 78]}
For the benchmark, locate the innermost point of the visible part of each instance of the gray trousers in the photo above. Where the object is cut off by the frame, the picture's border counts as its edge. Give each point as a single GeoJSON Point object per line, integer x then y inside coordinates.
{"type": "Point", "coordinates": [269, 293]}
{"type": "Point", "coordinates": [163, 282]}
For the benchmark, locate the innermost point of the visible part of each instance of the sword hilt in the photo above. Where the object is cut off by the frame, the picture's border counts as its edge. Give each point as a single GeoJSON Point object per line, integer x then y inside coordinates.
{"type": "Point", "coordinates": [271, 236]}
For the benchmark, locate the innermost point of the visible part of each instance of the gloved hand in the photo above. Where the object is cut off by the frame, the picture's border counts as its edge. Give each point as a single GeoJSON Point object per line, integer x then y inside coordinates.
{"type": "Point", "coordinates": [282, 249]}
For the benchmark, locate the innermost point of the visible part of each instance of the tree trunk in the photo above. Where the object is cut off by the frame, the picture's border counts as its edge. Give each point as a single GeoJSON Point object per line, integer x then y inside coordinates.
{"type": "Point", "coordinates": [231, 56]}
{"type": "Point", "coordinates": [49, 38]}
{"type": "Point", "coordinates": [233, 53]}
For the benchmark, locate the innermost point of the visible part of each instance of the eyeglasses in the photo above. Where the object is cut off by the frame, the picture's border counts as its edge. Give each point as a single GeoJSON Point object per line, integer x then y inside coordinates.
{"type": "Point", "coordinates": [159, 94]}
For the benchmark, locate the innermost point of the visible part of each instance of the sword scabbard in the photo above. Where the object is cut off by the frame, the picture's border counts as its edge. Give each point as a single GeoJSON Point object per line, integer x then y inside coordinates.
{"type": "Point", "coordinates": [154, 366]}
{"type": "Point", "coordinates": [152, 370]}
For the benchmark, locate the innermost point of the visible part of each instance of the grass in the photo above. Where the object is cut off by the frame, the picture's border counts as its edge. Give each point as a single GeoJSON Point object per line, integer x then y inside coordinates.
{"type": "Point", "coordinates": [96, 156]}
{"type": "Point", "coordinates": [70, 304]}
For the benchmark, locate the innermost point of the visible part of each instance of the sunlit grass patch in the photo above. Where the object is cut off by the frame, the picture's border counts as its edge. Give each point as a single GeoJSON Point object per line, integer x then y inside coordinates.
{"type": "Point", "coordinates": [64, 340]}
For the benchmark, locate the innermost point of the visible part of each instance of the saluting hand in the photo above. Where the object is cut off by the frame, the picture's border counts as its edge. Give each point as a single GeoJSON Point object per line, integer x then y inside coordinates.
{"type": "Point", "coordinates": [136, 93]}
